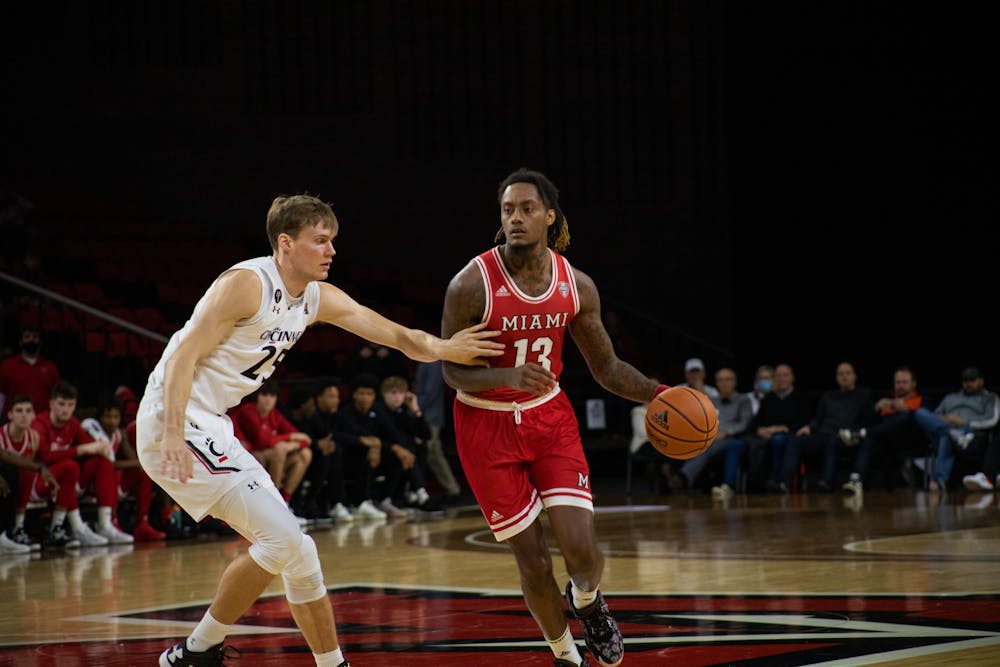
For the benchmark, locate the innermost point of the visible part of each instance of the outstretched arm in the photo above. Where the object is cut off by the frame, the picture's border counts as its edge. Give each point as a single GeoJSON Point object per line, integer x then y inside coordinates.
{"type": "Point", "coordinates": [464, 305]}
{"type": "Point", "coordinates": [468, 346]}
{"type": "Point", "coordinates": [617, 376]}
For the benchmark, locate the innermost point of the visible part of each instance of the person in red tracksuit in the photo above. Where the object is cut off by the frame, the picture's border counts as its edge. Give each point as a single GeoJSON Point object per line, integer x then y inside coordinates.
{"type": "Point", "coordinates": [28, 373]}
{"type": "Point", "coordinates": [130, 478]}
{"type": "Point", "coordinates": [64, 442]}
{"type": "Point", "coordinates": [18, 468]}
{"type": "Point", "coordinates": [280, 447]}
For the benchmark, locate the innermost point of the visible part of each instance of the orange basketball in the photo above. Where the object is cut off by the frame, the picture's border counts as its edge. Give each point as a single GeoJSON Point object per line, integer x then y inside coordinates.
{"type": "Point", "coordinates": [681, 422]}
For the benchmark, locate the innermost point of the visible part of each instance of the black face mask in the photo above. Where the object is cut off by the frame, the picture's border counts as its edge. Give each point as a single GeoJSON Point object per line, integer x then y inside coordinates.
{"type": "Point", "coordinates": [30, 347]}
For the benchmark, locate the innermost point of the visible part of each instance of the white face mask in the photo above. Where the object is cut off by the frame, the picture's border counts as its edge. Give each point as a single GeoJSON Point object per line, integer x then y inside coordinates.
{"type": "Point", "coordinates": [763, 386]}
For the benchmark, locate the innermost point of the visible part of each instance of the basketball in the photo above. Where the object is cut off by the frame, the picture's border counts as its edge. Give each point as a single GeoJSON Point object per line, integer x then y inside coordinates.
{"type": "Point", "coordinates": [681, 422]}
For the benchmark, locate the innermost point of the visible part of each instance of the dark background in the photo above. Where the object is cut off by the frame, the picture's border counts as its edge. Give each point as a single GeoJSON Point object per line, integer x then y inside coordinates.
{"type": "Point", "coordinates": [746, 182]}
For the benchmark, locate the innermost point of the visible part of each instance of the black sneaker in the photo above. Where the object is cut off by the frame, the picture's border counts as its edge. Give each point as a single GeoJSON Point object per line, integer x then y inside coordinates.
{"type": "Point", "coordinates": [179, 655]}
{"type": "Point", "coordinates": [600, 631]}
{"type": "Point", "coordinates": [21, 537]}
{"type": "Point", "coordinates": [58, 538]}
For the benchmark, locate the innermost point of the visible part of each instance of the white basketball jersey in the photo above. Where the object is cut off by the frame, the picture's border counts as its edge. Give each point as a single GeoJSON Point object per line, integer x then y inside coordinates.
{"type": "Point", "coordinates": [241, 363]}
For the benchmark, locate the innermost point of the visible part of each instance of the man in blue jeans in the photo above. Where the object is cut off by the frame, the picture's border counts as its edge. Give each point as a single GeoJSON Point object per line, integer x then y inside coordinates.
{"type": "Point", "coordinates": [959, 425]}
{"type": "Point", "coordinates": [735, 412]}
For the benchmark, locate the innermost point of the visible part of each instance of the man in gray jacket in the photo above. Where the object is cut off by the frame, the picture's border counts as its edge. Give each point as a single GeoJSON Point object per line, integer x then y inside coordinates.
{"type": "Point", "coordinates": [959, 425]}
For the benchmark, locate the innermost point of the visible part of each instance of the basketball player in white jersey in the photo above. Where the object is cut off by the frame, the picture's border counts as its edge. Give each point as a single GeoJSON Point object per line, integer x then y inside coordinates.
{"type": "Point", "coordinates": [240, 330]}
{"type": "Point", "coordinates": [517, 435]}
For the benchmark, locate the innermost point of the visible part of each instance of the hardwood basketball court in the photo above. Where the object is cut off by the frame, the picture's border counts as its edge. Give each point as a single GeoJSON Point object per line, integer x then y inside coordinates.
{"type": "Point", "coordinates": [902, 578]}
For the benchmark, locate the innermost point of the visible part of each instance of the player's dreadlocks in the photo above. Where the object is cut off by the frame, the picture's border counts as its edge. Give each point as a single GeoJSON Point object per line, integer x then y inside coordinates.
{"type": "Point", "coordinates": [558, 235]}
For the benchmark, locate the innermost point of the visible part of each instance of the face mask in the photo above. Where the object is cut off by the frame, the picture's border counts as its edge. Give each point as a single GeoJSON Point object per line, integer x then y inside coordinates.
{"type": "Point", "coordinates": [30, 347]}
{"type": "Point", "coordinates": [763, 386]}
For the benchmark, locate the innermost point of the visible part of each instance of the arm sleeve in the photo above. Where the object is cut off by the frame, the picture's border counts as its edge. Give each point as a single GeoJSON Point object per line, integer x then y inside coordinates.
{"type": "Point", "coordinates": [991, 417]}
{"type": "Point", "coordinates": [744, 415]}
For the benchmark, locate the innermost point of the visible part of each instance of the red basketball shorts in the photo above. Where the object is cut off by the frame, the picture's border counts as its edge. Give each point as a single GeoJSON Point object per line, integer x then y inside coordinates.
{"type": "Point", "coordinates": [521, 461]}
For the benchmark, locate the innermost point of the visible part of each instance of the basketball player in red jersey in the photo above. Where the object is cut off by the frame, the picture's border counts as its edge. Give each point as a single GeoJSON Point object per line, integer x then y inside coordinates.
{"type": "Point", "coordinates": [517, 434]}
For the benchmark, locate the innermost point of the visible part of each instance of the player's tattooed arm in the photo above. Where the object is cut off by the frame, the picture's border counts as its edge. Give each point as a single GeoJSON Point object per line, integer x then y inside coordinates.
{"type": "Point", "coordinates": [617, 376]}
{"type": "Point", "coordinates": [464, 306]}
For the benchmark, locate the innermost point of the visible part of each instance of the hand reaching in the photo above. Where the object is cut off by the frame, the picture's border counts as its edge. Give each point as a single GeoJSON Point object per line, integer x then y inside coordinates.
{"type": "Point", "coordinates": [471, 346]}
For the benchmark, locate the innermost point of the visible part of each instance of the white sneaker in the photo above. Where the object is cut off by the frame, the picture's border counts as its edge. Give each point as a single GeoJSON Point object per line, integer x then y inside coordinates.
{"type": "Point", "coordinates": [113, 535]}
{"type": "Point", "coordinates": [9, 546]}
{"type": "Point", "coordinates": [21, 537]}
{"type": "Point", "coordinates": [723, 492]}
{"type": "Point", "coordinates": [853, 485]}
{"type": "Point", "coordinates": [391, 510]}
{"type": "Point", "coordinates": [88, 538]}
{"type": "Point", "coordinates": [961, 438]}
{"type": "Point", "coordinates": [977, 482]}
{"type": "Point", "coordinates": [421, 496]}
{"type": "Point", "coordinates": [367, 510]}
{"type": "Point", "coordinates": [339, 513]}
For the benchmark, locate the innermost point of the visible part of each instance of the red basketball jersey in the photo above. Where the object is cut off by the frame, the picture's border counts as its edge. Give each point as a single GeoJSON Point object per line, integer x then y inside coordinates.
{"type": "Point", "coordinates": [532, 327]}
{"type": "Point", "coordinates": [27, 446]}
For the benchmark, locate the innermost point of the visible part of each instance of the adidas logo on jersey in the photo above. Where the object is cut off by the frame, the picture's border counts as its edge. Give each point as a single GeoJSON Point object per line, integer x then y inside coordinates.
{"type": "Point", "coordinates": [496, 516]}
{"type": "Point", "coordinates": [502, 291]}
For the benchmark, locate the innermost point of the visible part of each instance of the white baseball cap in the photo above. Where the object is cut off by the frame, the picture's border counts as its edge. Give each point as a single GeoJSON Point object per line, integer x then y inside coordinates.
{"type": "Point", "coordinates": [693, 364]}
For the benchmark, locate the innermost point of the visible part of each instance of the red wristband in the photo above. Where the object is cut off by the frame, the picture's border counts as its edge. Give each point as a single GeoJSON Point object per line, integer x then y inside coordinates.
{"type": "Point", "coordinates": [659, 390]}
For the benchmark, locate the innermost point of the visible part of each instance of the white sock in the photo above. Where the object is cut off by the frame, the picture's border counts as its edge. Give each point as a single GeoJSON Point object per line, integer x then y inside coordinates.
{"type": "Point", "coordinates": [207, 633]}
{"type": "Point", "coordinates": [18, 520]}
{"type": "Point", "coordinates": [103, 517]}
{"type": "Point", "coordinates": [565, 648]}
{"type": "Point", "coordinates": [582, 598]}
{"type": "Point", "coordinates": [58, 516]}
{"type": "Point", "coordinates": [329, 659]}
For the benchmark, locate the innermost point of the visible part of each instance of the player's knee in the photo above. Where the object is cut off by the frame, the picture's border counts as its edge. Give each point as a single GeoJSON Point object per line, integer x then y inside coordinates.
{"type": "Point", "coordinates": [303, 576]}
{"type": "Point", "coordinates": [279, 547]}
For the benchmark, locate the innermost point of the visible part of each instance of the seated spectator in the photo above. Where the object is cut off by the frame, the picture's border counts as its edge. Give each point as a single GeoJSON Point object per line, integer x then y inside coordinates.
{"type": "Point", "coordinates": [846, 408]}
{"type": "Point", "coordinates": [762, 383]}
{"type": "Point", "coordinates": [735, 414]}
{"type": "Point", "coordinates": [988, 476]}
{"type": "Point", "coordinates": [28, 372]}
{"type": "Point", "coordinates": [18, 448]}
{"type": "Point", "coordinates": [64, 441]}
{"type": "Point", "coordinates": [782, 412]}
{"type": "Point", "coordinates": [890, 434]}
{"type": "Point", "coordinates": [959, 426]}
{"type": "Point", "coordinates": [374, 459]}
{"type": "Point", "coordinates": [404, 409]}
{"type": "Point", "coordinates": [280, 447]}
{"type": "Point", "coordinates": [131, 479]}
{"type": "Point", "coordinates": [694, 377]}
{"type": "Point", "coordinates": [327, 490]}
{"type": "Point", "coordinates": [301, 406]}
{"type": "Point", "coordinates": [128, 402]}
